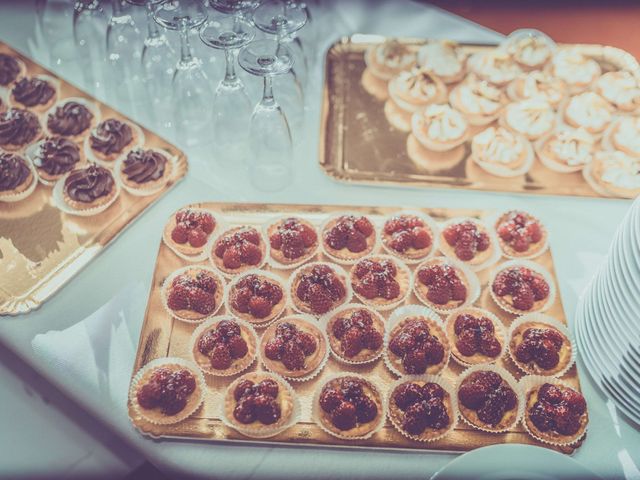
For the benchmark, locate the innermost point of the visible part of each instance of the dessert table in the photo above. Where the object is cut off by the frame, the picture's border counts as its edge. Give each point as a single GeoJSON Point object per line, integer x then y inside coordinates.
{"type": "Point", "coordinates": [91, 360]}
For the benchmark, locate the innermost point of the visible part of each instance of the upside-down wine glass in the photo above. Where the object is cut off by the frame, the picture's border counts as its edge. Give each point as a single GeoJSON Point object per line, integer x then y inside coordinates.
{"type": "Point", "coordinates": [89, 31]}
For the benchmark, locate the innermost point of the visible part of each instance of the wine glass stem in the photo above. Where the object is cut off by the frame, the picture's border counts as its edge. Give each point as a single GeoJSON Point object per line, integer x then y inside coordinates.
{"type": "Point", "coordinates": [117, 8]}
{"type": "Point", "coordinates": [230, 72]}
{"type": "Point", "coordinates": [185, 47]}
{"type": "Point", "coordinates": [153, 30]}
{"type": "Point", "coordinates": [267, 92]}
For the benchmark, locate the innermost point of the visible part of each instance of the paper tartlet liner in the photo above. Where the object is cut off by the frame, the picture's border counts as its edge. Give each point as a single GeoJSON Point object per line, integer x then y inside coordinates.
{"type": "Point", "coordinates": [552, 322]}
{"type": "Point", "coordinates": [316, 409]}
{"type": "Point", "coordinates": [57, 195]}
{"type": "Point", "coordinates": [473, 284]}
{"type": "Point", "coordinates": [400, 266]}
{"type": "Point", "coordinates": [227, 273]}
{"type": "Point", "coordinates": [402, 313]}
{"type": "Point", "coordinates": [535, 267]}
{"type": "Point", "coordinates": [430, 223]}
{"type": "Point", "coordinates": [143, 190]}
{"type": "Point", "coordinates": [341, 272]}
{"type": "Point", "coordinates": [324, 325]}
{"type": "Point", "coordinates": [168, 361]}
{"type": "Point", "coordinates": [262, 431]}
{"type": "Point", "coordinates": [528, 383]}
{"type": "Point", "coordinates": [137, 142]}
{"type": "Point", "coordinates": [16, 197]}
{"type": "Point", "coordinates": [492, 221]}
{"type": "Point", "coordinates": [511, 381]}
{"type": "Point", "coordinates": [493, 240]}
{"type": "Point", "coordinates": [33, 151]}
{"type": "Point", "coordinates": [499, 331]}
{"type": "Point", "coordinates": [357, 256]}
{"type": "Point", "coordinates": [210, 325]}
{"type": "Point", "coordinates": [258, 322]}
{"type": "Point", "coordinates": [308, 319]}
{"type": "Point", "coordinates": [304, 259]}
{"type": "Point", "coordinates": [166, 285]}
{"type": "Point", "coordinates": [446, 385]}
{"type": "Point", "coordinates": [93, 108]}
{"type": "Point", "coordinates": [166, 235]}
{"type": "Point", "coordinates": [37, 109]}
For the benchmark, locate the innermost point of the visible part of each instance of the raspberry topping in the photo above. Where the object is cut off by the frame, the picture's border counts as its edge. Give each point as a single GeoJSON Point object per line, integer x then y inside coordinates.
{"type": "Point", "coordinates": [239, 248]}
{"type": "Point", "coordinates": [293, 238]}
{"type": "Point", "coordinates": [257, 402]}
{"type": "Point", "coordinates": [519, 230]}
{"type": "Point", "coordinates": [320, 288]}
{"type": "Point", "coordinates": [405, 232]}
{"type": "Point", "coordinates": [488, 394]}
{"type": "Point", "coordinates": [559, 409]}
{"type": "Point", "coordinates": [223, 344]}
{"type": "Point", "coordinates": [376, 279]}
{"type": "Point", "coordinates": [349, 232]}
{"type": "Point", "coordinates": [423, 407]}
{"type": "Point", "coordinates": [443, 284]}
{"type": "Point", "coordinates": [347, 403]}
{"type": "Point", "coordinates": [417, 348]}
{"type": "Point", "coordinates": [168, 390]}
{"type": "Point", "coordinates": [541, 346]}
{"type": "Point", "coordinates": [356, 332]}
{"type": "Point", "coordinates": [524, 285]}
{"type": "Point", "coordinates": [196, 294]}
{"type": "Point", "coordinates": [192, 226]}
{"type": "Point", "coordinates": [256, 296]}
{"type": "Point", "coordinates": [291, 346]}
{"type": "Point", "coordinates": [476, 335]}
{"type": "Point", "coordinates": [466, 239]}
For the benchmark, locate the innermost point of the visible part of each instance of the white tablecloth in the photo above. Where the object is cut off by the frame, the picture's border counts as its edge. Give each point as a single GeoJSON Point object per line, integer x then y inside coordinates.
{"type": "Point", "coordinates": [92, 360]}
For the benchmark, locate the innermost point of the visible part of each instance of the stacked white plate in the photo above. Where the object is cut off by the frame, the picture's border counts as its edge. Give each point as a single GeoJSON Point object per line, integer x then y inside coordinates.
{"type": "Point", "coordinates": [607, 326]}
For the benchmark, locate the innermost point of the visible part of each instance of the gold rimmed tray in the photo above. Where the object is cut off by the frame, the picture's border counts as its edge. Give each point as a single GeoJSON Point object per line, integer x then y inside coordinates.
{"type": "Point", "coordinates": [41, 247]}
{"type": "Point", "coordinates": [162, 336]}
{"type": "Point", "coordinates": [358, 144]}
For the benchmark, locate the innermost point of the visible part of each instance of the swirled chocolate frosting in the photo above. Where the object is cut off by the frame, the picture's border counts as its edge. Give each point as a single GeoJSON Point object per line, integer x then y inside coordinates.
{"type": "Point", "coordinates": [72, 118]}
{"type": "Point", "coordinates": [111, 136]}
{"type": "Point", "coordinates": [13, 171]}
{"type": "Point", "coordinates": [57, 155]}
{"type": "Point", "coordinates": [32, 91]}
{"type": "Point", "coordinates": [18, 127]}
{"type": "Point", "coordinates": [9, 69]}
{"type": "Point", "coordinates": [142, 166]}
{"type": "Point", "coordinates": [88, 184]}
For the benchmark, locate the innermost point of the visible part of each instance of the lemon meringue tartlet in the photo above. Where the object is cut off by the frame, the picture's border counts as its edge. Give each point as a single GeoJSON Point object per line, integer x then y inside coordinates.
{"type": "Point", "coordinates": [439, 127]}
{"type": "Point", "coordinates": [577, 70]}
{"type": "Point", "coordinates": [444, 59]}
{"type": "Point", "coordinates": [533, 118]}
{"type": "Point", "coordinates": [387, 59]}
{"type": "Point", "coordinates": [588, 110]}
{"type": "Point", "coordinates": [621, 89]}
{"type": "Point", "coordinates": [537, 84]}
{"type": "Point", "coordinates": [480, 101]}
{"type": "Point", "coordinates": [495, 66]}
{"type": "Point", "coordinates": [502, 152]}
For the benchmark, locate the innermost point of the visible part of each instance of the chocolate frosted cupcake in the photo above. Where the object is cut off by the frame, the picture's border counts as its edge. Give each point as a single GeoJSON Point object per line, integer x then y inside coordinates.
{"type": "Point", "coordinates": [10, 69]}
{"type": "Point", "coordinates": [18, 128]}
{"type": "Point", "coordinates": [110, 139]}
{"type": "Point", "coordinates": [53, 157]}
{"type": "Point", "coordinates": [71, 119]}
{"type": "Point", "coordinates": [17, 180]}
{"type": "Point", "coordinates": [37, 93]}
{"type": "Point", "coordinates": [87, 191]}
{"type": "Point", "coordinates": [144, 172]}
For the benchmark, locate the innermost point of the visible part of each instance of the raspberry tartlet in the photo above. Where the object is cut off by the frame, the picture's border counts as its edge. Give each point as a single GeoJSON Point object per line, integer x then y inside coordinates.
{"type": "Point", "coordinates": [540, 345]}
{"type": "Point", "coordinates": [555, 413]}
{"type": "Point", "coordinates": [260, 405]}
{"type": "Point", "coordinates": [381, 281]}
{"type": "Point", "coordinates": [423, 408]}
{"type": "Point", "coordinates": [294, 347]}
{"type": "Point", "coordinates": [521, 235]}
{"type": "Point", "coordinates": [167, 391]}
{"type": "Point", "coordinates": [188, 231]}
{"type": "Point", "coordinates": [521, 287]}
{"type": "Point", "coordinates": [347, 238]}
{"type": "Point", "coordinates": [224, 346]}
{"type": "Point", "coordinates": [477, 336]}
{"type": "Point", "coordinates": [410, 236]}
{"type": "Point", "coordinates": [257, 297]}
{"type": "Point", "coordinates": [355, 333]}
{"type": "Point", "coordinates": [416, 342]}
{"type": "Point", "coordinates": [445, 284]}
{"type": "Point", "coordinates": [489, 398]}
{"type": "Point", "coordinates": [317, 288]}
{"type": "Point", "coordinates": [293, 241]}
{"type": "Point", "coordinates": [469, 241]}
{"type": "Point", "coordinates": [239, 249]}
{"type": "Point", "coordinates": [349, 407]}
{"type": "Point", "coordinates": [192, 294]}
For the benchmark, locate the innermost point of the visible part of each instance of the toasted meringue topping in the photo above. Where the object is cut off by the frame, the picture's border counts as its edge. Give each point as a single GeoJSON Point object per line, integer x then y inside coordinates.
{"type": "Point", "coordinates": [530, 51]}
{"type": "Point", "coordinates": [589, 110]}
{"type": "Point", "coordinates": [498, 145]}
{"type": "Point", "coordinates": [441, 58]}
{"type": "Point", "coordinates": [574, 67]}
{"type": "Point", "coordinates": [394, 54]}
{"type": "Point", "coordinates": [627, 135]}
{"type": "Point", "coordinates": [444, 123]}
{"type": "Point", "coordinates": [533, 117]}
{"type": "Point", "coordinates": [496, 66]}
{"type": "Point", "coordinates": [620, 88]}
{"type": "Point", "coordinates": [573, 146]}
{"type": "Point", "coordinates": [620, 170]}
{"type": "Point", "coordinates": [417, 83]}
{"type": "Point", "coordinates": [479, 97]}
